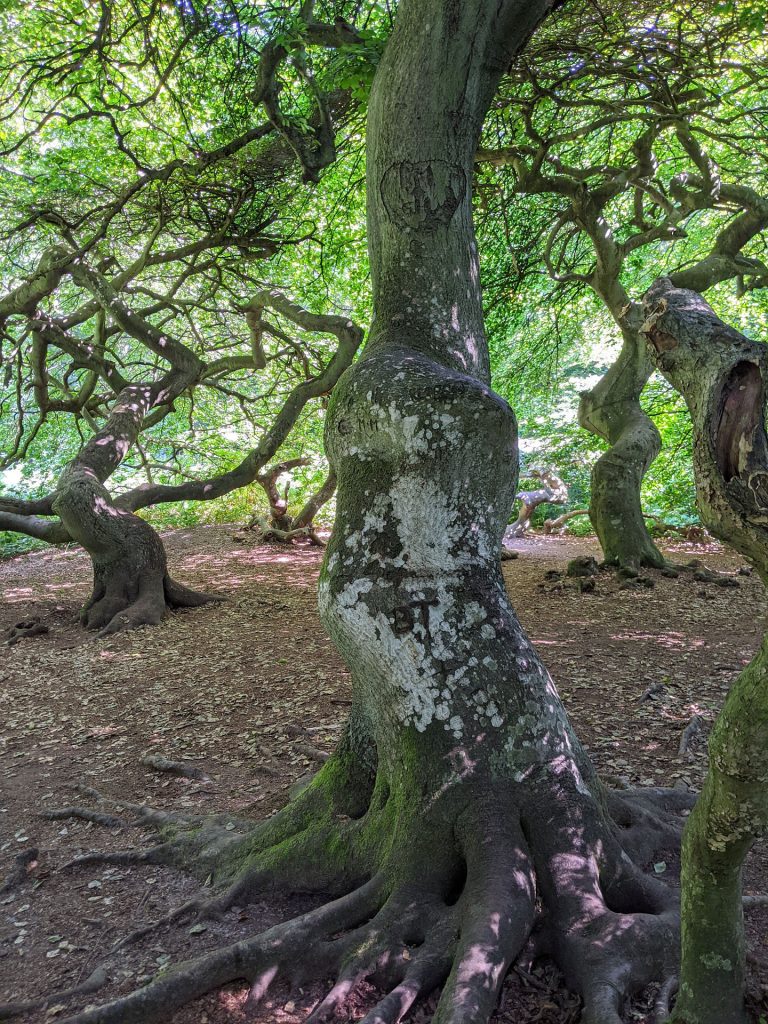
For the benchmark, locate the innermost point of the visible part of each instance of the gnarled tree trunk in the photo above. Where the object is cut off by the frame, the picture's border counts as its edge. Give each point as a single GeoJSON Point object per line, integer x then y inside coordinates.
{"type": "Point", "coordinates": [612, 410]}
{"type": "Point", "coordinates": [722, 375]}
{"type": "Point", "coordinates": [282, 525]}
{"type": "Point", "coordinates": [131, 585]}
{"type": "Point", "coordinates": [469, 736]}
{"type": "Point", "coordinates": [554, 492]}
{"type": "Point", "coordinates": [460, 801]}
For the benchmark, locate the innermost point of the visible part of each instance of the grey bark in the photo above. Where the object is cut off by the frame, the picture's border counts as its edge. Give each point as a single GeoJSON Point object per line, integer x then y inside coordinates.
{"type": "Point", "coordinates": [612, 410]}
{"type": "Point", "coordinates": [722, 375]}
{"type": "Point", "coordinates": [468, 734]}
{"type": "Point", "coordinates": [553, 492]}
{"type": "Point", "coordinates": [131, 585]}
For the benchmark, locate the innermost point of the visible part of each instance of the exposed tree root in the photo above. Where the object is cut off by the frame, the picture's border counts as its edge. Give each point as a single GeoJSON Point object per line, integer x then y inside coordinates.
{"type": "Point", "coordinates": [649, 820]}
{"type": "Point", "coordinates": [95, 981]}
{"type": "Point", "coordinates": [124, 599]}
{"type": "Point", "coordinates": [258, 960]}
{"type": "Point", "coordinates": [662, 1006]}
{"type": "Point", "coordinates": [183, 769]}
{"type": "Point", "coordinates": [179, 596]}
{"type": "Point", "coordinates": [84, 814]}
{"type": "Point", "coordinates": [23, 630]}
{"type": "Point", "coordinates": [447, 896]}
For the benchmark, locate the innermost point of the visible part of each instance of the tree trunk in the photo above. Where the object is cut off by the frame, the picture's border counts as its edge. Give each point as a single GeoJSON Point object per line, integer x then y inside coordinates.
{"type": "Point", "coordinates": [460, 802]}
{"type": "Point", "coordinates": [722, 376]}
{"type": "Point", "coordinates": [131, 585]}
{"type": "Point", "coordinates": [553, 492]}
{"type": "Point", "coordinates": [470, 738]}
{"type": "Point", "coordinates": [612, 410]}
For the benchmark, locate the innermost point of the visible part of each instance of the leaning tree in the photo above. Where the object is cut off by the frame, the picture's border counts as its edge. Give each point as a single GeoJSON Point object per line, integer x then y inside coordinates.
{"type": "Point", "coordinates": [625, 130]}
{"type": "Point", "coordinates": [721, 375]}
{"type": "Point", "coordinates": [138, 287]}
{"type": "Point", "coordinates": [460, 819]}
{"type": "Point", "coordinates": [692, 157]}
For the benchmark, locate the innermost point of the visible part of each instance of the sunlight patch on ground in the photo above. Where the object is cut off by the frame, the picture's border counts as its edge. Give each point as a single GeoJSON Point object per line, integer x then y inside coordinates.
{"type": "Point", "coordinates": [674, 640]}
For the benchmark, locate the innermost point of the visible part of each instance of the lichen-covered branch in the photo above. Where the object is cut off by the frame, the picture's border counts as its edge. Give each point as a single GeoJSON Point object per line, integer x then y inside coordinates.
{"type": "Point", "coordinates": [722, 375]}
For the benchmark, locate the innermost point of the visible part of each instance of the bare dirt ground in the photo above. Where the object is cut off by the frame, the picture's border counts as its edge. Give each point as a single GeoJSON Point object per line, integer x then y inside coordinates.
{"type": "Point", "coordinates": [250, 691]}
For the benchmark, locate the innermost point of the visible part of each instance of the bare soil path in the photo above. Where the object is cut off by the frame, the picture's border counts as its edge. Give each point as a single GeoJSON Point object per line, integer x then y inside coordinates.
{"type": "Point", "coordinates": [251, 693]}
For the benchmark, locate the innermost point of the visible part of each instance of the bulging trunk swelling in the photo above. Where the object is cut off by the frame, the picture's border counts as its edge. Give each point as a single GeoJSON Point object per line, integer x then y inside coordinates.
{"type": "Point", "coordinates": [722, 376]}
{"type": "Point", "coordinates": [612, 410]}
{"type": "Point", "coordinates": [460, 798]}
{"type": "Point", "coordinates": [412, 591]}
{"type": "Point", "coordinates": [471, 740]}
{"type": "Point", "coordinates": [493, 797]}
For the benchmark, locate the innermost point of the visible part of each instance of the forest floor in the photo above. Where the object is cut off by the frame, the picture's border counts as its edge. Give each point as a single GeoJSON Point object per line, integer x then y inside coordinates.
{"type": "Point", "coordinates": [249, 692]}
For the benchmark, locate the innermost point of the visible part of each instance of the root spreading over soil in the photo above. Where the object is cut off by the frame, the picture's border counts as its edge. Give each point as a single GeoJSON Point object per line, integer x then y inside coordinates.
{"type": "Point", "coordinates": [216, 714]}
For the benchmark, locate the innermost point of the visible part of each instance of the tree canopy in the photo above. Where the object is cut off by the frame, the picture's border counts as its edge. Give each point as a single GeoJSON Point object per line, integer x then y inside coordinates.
{"type": "Point", "coordinates": [244, 239]}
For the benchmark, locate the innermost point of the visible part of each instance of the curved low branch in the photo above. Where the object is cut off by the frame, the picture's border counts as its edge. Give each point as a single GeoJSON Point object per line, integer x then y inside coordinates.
{"type": "Point", "coordinates": [52, 531]}
{"type": "Point", "coordinates": [349, 335]}
{"type": "Point", "coordinates": [558, 525]}
{"type": "Point", "coordinates": [25, 507]}
{"type": "Point", "coordinates": [315, 502]}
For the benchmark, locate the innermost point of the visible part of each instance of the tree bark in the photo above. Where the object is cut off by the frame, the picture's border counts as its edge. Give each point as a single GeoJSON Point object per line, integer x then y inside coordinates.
{"type": "Point", "coordinates": [460, 801]}
{"type": "Point", "coordinates": [468, 735]}
{"type": "Point", "coordinates": [131, 585]}
{"type": "Point", "coordinates": [553, 492]}
{"type": "Point", "coordinates": [612, 410]}
{"type": "Point", "coordinates": [722, 376]}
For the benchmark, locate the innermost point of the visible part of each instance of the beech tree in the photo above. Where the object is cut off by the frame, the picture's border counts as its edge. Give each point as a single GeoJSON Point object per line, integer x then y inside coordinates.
{"type": "Point", "coordinates": [552, 492]}
{"type": "Point", "coordinates": [721, 375]}
{"type": "Point", "coordinates": [143, 290]}
{"type": "Point", "coordinates": [625, 130]}
{"type": "Point", "coordinates": [460, 818]}
{"type": "Point", "coordinates": [132, 586]}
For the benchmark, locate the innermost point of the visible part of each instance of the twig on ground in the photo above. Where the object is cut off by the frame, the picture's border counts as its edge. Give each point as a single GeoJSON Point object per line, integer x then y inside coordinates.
{"type": "Point", "coordinates": [531, 979]}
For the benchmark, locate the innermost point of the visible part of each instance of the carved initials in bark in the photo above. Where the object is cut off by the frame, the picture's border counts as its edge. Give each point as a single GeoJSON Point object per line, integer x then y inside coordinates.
{"type": "Point", "coordinates": [423, 195]}
{"type": "Point", "coordinates": [407, 616]}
